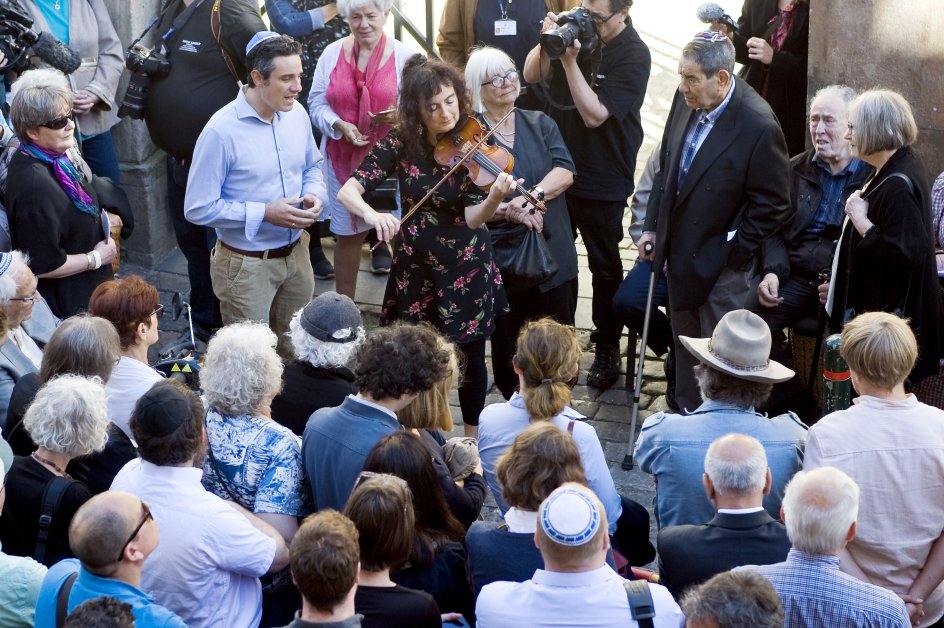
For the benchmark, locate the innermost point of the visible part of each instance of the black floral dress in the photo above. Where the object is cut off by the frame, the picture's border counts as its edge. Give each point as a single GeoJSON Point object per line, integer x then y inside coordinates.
{"type": "Point", "coordinates": [443, 272]}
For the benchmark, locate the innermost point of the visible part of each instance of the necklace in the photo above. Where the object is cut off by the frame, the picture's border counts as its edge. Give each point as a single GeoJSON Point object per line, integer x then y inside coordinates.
{"type": "Point", "coordinates": [48, 463]}
{"type": "Point", "coordinates": [58, 5]}
{"type": "Point", "coordinates": [507, 135]}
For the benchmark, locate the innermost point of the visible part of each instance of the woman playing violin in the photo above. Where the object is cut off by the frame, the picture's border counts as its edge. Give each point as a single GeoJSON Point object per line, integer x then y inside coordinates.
{"type": "Point", "coordinates": [443, 272]}
{"type": "Point", "coordinates": [541, 158]}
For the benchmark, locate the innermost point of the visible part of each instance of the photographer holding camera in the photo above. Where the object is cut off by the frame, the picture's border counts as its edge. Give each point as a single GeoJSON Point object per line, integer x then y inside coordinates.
{"type": "Point", "coordinates": [593, 68]}
{"type": "Point", "coordinates": [191, 73]}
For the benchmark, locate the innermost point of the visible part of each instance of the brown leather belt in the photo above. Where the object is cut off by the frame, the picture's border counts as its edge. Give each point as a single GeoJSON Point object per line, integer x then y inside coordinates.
{"type": "Point", "coordinates": [284, 251]}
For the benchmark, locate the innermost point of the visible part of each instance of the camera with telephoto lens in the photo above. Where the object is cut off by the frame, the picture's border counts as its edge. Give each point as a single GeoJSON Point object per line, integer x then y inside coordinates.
{"type": "Point", "coordinates": [144, 64]}
{"type": "Point", "coordinates": [16, 36]}
{"type": "Point", "coordinates": [574, 25]}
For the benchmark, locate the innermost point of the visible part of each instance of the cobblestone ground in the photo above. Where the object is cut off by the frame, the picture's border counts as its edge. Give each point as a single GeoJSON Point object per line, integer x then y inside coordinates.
{"type": "Point", "coordinates": [608, 411]}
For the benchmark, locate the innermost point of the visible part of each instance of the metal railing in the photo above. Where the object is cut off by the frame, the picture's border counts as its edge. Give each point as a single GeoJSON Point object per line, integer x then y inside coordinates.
{"type": "Point", "coordinates": [401, 23]}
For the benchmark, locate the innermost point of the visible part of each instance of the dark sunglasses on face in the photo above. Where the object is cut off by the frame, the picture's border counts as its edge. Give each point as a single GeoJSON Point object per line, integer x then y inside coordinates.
{"type": "Point", "coordinates": [59, 123]}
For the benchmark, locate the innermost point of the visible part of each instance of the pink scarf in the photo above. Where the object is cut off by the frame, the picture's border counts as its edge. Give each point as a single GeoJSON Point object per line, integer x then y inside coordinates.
{"type": "Point", "coordinates": [779, 35]}
{"type": "Point", "coordinates": [353, 94]}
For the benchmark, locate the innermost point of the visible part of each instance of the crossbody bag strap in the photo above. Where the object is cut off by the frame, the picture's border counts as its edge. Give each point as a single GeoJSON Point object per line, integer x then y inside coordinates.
{"type": "Point", "coordinates": [216, 26]}
{"type": "Point", "coordinates": [62, 599]}
{"type": "Point", "coordinates": [640, 602]}
{"type": "Point", "coordinates": [52, 499]}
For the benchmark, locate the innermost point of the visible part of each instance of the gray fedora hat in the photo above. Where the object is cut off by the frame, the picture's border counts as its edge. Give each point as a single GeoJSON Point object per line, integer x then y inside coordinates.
{"type": "Point", "coordinates": [739, 346]}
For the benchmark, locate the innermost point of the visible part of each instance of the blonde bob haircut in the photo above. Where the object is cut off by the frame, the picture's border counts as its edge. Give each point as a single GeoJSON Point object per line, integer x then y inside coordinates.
{"type": "Point", "coordinates": [542, 458]}
{"type": "Point", "coordinates": [548, 356]}
{"type": "Point", "coordinates": [880, 348]}
{"type": "Point", "coordinates": [484, 63]}
{"type": "Point", "coordinates": [430, 409]}
{"type": "Point", "coordinates": [882, 120]}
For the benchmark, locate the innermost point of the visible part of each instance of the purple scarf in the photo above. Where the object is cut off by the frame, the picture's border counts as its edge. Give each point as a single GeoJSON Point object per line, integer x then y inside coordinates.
{"type": "Point", "coordinates": [66, 176]}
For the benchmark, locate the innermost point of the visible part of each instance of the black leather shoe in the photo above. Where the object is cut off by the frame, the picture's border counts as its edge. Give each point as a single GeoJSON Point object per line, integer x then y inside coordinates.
{"type": "Point", "coordinates": [605, 369]}
{"type": "Point", "coordinates": [380, 259]}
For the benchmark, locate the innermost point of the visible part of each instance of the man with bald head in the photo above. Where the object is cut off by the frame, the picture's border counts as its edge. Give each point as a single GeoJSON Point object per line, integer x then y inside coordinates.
{"type": "Point", "coordinates": [111, 535]}
{"type": "Point", "coordinates": [576, 586]}
{"type": "Point", "coordinates": [736, 479]}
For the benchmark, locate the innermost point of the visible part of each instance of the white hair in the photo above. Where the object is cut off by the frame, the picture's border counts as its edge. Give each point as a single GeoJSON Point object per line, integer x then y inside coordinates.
{"type": "Point", "coordinates": [346, 7]}
{"type": "Point", "coordinates": [736, 463]}
{"type": "Point", "coordinates": [8, 286]}
{"type": "Point", "coordinates": [319, 353]}
{"type": "Point", "coordinates": [484, 63]}
{"type": "Point", "coordinates": [39, 77]}
{"type": "Point", "coordinates": [241, 369]}
{"type": "Point", "coordinates": [69, 415]}
{"type": "Point", "coordinates": [819, 507]}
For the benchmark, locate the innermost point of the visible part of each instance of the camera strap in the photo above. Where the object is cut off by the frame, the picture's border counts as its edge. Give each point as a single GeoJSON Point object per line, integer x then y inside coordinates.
{"type": "Point", "coordinates": [182, 18]}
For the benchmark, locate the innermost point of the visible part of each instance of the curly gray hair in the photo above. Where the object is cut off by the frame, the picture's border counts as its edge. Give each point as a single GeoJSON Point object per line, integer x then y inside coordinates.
{"type": "Point", "coordinates": [241, 371]}
{"type": "Point", "coordinates": [318, 352]}
{"type": "Point", "coordinates": [70, 416]}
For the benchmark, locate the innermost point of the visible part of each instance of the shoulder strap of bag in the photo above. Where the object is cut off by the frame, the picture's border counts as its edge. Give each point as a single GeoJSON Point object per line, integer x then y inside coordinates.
{"type": "Point", "coordinates": [62, 599]}
{"type": "Point", "coordinates": [216, 26]}
{"type": "Point", "coordinates": [640, 602]}
{"type": "Point", "coordinates": [52, 499]}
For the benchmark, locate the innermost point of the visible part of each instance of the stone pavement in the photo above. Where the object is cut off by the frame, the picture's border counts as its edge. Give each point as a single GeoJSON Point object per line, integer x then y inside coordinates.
{"type": "Point", "coordinates": [608, 411]}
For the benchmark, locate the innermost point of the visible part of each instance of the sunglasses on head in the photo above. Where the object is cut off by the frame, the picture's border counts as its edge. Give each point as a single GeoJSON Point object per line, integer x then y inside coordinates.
{"type": "Point", "coordinates": [59, 123]}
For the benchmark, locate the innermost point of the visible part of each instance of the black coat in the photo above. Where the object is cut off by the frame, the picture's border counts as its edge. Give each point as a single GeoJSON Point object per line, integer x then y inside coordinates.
{"type": "Point", "coordinates": [689, 555]}
{"type": "Point", "coordinates": [785, 77]}
{"type": "Point", "coordinates": [308, 388]}
{"type": "Point", "coordinates": [738, 180]}
{"type": "Point", "coordinates": [892, 268]}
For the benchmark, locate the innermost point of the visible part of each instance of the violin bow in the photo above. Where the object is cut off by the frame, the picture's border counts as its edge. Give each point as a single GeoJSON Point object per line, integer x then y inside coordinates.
{"type": "Point", "coordinates": [452, 170]}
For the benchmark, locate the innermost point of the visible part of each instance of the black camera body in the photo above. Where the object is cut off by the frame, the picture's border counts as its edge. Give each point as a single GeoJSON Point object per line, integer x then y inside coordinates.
{"type": "Point", "coordinates": [573, 25]}
{"type": "Point", "coordinates": [16, 36]}
{"type": "Point", "coordinates": [144, 64]}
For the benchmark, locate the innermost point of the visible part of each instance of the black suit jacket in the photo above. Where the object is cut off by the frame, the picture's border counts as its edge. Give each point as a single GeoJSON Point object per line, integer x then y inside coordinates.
{"type": "Point", "coordinates": [739, 180]}
{"type": "Point", "coordinates": [689, 555]}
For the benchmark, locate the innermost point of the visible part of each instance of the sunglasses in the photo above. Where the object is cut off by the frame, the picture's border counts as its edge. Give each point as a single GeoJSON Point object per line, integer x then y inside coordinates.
{"type": "Point", "coordinates": [59, 123]}
{"type": "Point", "coordinates": [144, 519]}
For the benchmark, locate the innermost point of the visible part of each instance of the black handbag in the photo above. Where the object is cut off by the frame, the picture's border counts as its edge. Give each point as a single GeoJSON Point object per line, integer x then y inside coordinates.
{"type": "Point", "coordinates": [522, 255]}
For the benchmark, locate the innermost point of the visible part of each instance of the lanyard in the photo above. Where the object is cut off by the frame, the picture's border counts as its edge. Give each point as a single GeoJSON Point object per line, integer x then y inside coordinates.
{"type": "Point", "coordinates": [504, 9]}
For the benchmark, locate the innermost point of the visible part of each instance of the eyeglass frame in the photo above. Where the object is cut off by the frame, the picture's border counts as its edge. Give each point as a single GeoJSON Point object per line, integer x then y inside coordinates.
{"type": "Point", "coordinates": [137, 530]}
{"type": "Point", "coordinates": [850, 126]}
{"type": "Point", "coordinates": [33, 298]}
{"type": "Point", "coordinates": [59, 123]}
{"type": "Point", "coordinates": [159, 311]}
{"type": "Point", "coordinates": [505, 78]}
{"type": "Point", "coordinates": [599, 20]}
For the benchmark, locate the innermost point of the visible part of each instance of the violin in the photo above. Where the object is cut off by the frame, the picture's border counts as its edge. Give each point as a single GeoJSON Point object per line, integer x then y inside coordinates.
{"type": "Point", "coordinates": [465, 144]}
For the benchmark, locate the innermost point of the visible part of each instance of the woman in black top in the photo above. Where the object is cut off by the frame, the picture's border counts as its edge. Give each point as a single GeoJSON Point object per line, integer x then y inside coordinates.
{"type": "Point", "coordinates": [381, 507]}
{"type": "Point", "coordinates": [68, 419]}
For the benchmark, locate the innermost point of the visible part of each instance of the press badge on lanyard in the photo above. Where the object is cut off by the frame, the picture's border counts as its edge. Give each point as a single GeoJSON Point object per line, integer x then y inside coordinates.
{"type": "Point", "coordinates": [504, 26]}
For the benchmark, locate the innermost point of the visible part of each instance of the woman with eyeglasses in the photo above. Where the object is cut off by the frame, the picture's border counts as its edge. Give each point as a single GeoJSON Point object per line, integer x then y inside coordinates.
{"type": "Point", "coordinates": [542, 160]}
{"type": "Point", "coordinates": [56, 214]}
{"type": "Point", "coordinates": [133, 306]}
{"type": "Point", "coordinates": [68, 419]}
{"type": "Point", "coordinates": [886, 251]}
{"type": "Point", "coordinates": [443, 270]}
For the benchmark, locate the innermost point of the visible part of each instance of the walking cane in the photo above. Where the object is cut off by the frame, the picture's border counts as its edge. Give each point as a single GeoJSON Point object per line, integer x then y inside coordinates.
{"type": "Point", "coordinates": [627, 463]}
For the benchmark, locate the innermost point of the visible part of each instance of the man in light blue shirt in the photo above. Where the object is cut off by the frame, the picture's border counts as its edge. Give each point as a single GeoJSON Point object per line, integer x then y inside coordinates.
{"type": "Point", "coordinates": [736, 374]}
{"type": "Point", "coordinates": [111, 534]}
{"type": "Point", "coordinates": [256, 178]}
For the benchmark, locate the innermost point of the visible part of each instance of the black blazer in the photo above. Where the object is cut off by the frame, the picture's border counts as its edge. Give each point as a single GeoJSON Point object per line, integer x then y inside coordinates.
{"type": "Point", "coordinates": [739, 180]}
{"type": "Point", "coordinates": [689, 555]}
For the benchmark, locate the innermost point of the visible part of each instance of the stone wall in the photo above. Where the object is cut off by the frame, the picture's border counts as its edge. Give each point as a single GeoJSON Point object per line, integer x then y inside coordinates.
{"type": "Point", "coordinates": [895, 44]}
{"type": "Point", "coordinates": [142, 163]}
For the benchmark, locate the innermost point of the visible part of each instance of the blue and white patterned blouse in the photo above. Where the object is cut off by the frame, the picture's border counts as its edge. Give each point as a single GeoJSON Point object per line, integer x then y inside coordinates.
{"type": "Point", "coordinates": [260, 463]}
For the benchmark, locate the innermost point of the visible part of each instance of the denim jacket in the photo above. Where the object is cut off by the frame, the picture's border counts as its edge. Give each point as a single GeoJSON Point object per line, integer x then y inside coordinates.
{"type": "Point", "coordinates": [672, 448]}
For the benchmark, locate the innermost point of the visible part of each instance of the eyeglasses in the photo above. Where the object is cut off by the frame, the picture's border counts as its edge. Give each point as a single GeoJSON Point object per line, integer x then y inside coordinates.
{"type": "Point", "coordinates": [33, 298]}
{"type": "Point", "coordinates": [159, 312]}
{"type": "Point", "coordinates": [498, 81]}
{"type": "Point", "coordinates": [363, 476]}
{"type": "Point", "coordinates": [599, 19]}
{"type": "Point", "coordinates": [144, 519]}
{"type": "Point", "coordinates": [850, 126]}
{"type": "Point", "coordinates": [711, 36]}
{"type": "Point", "coordinates": [59, 123]}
